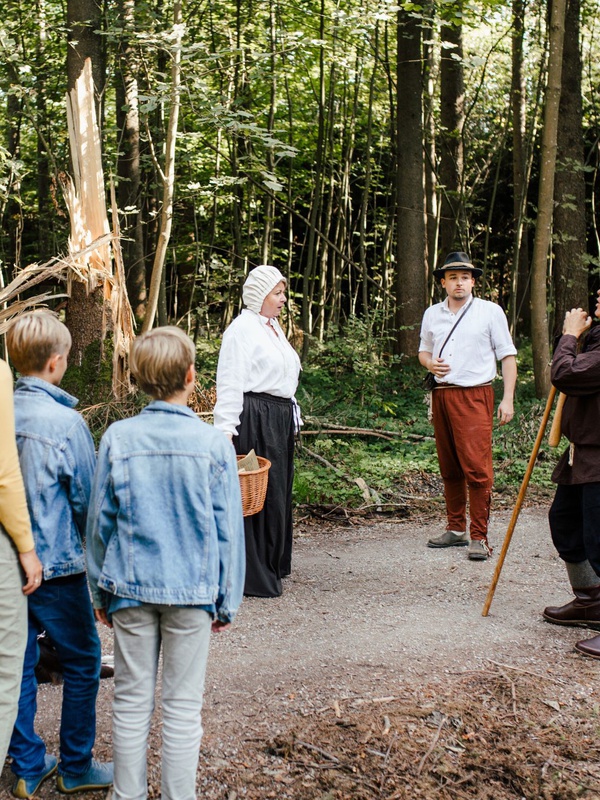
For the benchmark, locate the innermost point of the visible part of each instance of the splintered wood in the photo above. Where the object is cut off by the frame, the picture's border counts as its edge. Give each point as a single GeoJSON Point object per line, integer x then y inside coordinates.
{"type": "Point", "coordinates": [100, 265]}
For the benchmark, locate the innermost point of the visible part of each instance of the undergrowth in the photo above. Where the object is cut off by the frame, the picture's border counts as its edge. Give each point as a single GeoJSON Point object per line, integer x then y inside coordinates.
{"type": "Point", "coordinates": [354, 381]}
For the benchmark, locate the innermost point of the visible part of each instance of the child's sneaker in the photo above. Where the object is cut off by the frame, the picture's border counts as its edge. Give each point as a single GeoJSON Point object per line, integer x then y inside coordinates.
{"type": "Point", "coordinates": [27, 787]}
{"type": "Point", "coordinates": [98, 776]}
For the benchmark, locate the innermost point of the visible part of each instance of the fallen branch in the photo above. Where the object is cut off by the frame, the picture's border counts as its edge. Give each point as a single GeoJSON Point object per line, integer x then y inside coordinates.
{"type": "Point", "coordinates": [513, 692]}
{"type": "Point", "coordinates": [526, 672]}
{"type": "Point", "coordinates": [331, 427]}
{"type": "Point", "coordinates": [351, 431]}
{"type": "Point", "coordinates": [318, 750]}
{"type": "Point", "coordinates": [366, 490]}
{"type": "Point", "coordinates": [432, 745]}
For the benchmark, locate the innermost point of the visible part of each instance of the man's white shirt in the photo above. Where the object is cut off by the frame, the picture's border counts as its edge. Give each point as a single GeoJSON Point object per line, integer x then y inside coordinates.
{"type": "Point", "coordinates": [480, 340]}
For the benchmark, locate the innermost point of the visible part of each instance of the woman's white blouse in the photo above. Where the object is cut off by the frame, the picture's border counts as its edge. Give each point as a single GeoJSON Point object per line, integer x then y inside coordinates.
{"type": "Point", "coordinates": [252, 359]}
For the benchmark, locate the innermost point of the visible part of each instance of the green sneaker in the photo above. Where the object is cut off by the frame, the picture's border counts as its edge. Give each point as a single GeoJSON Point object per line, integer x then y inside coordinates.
{"type": "Point", "coordinates": [449, 539]}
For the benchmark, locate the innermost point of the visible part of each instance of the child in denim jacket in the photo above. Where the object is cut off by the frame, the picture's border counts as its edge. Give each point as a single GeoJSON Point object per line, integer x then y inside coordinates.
{"type": "Point", "coordinates": [56, 453]}
{"type": "Point", "coordinates": [165, 562]}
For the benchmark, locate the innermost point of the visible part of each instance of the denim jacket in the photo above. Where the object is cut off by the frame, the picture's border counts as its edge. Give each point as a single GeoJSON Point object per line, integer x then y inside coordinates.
{"type": "Point", "coordinates": [57, 457]}
{"type": "Point", "coordinates": [165, 522]}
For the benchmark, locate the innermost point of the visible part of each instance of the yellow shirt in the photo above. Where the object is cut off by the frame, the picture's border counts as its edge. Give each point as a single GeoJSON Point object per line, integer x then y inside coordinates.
{"type": "Point", "coordinates": [13, 506]}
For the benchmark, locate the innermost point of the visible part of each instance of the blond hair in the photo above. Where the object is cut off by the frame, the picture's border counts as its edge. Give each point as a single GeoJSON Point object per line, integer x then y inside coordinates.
{"type": "Point", "coordinates": [160, 359]}
{"type": "Point", "coordinates": [33, 338]}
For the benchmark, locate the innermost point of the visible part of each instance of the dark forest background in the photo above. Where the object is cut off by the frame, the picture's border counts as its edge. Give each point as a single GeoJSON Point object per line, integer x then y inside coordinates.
{"type": "Point", "coordinates": [352, 144]}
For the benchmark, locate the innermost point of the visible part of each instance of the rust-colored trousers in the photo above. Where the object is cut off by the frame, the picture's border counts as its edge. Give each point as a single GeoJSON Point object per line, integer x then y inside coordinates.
{"type": "Point", "coordinates": [462, 422]}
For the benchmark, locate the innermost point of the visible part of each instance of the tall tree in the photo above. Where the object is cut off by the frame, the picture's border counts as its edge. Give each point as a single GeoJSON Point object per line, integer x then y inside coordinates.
{"type": "Point", "coordinates": [541, 248]}
{"type": "Point", "coordinates": [85, 311]}
{"type": "Point", "coordinates": [84, 26]}
{"type": "Point", "coordinates": [450, 139]}
{"type": "Point", "coordinates": [519, 298]}
{"type": "Point", "coordinates": [431, 189]}
{"type": "Point", "coordinates": [128, 159]}
{"type": "Point", "coordinates": [168, 173]}
{"type": "Point", "coordinates": [411, 266]}
{"type": "Point", "coordinates": [570, 264]}
{"type": "Point", "coordinates": [44, 214]}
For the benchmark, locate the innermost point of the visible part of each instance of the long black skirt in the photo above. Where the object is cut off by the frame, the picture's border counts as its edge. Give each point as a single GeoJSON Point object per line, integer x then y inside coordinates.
{"type": "Point", "coordinates": [267, 425]}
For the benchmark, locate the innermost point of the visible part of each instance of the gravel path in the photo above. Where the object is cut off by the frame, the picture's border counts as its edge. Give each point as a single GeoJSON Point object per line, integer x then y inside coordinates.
{"type": "Point", "coordinates": [368, 610]}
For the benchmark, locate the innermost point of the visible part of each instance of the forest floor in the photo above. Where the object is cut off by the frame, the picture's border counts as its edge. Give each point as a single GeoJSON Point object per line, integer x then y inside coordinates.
{"type": "Point", "coordinates": [375, 675]}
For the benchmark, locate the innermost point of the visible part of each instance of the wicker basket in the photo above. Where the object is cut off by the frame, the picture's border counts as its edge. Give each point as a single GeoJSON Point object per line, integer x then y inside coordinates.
{"type": "Point", "coordinates": [254, 487]}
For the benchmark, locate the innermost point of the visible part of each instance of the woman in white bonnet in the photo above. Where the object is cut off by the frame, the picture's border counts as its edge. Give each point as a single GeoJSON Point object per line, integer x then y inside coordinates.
{"type": "Point", "coordinates": [257, 376]}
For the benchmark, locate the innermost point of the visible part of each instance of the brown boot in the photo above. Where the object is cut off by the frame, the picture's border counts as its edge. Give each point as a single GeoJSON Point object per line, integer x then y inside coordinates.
{"type": "Point", "coordinates": [589, 647]}
{"type": "Point", "coordinates": [582, 612]}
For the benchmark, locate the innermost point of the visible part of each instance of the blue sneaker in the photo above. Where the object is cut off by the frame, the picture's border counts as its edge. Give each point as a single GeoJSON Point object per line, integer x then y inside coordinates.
{"type": "Point", "coordinates": [97, 776]}
{"type": "Point", "coordinates": [27, 787]}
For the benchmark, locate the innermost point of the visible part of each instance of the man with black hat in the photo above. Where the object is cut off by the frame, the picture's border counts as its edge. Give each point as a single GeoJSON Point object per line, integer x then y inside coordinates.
{"type": "Point", "coordinates": [461, 341]}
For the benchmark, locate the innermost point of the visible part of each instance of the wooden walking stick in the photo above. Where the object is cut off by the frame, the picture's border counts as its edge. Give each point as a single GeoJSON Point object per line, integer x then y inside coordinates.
{"type": "Point", "coordinates": [519, 503]}
{"type": "Point", "coordinates": [554, 435]}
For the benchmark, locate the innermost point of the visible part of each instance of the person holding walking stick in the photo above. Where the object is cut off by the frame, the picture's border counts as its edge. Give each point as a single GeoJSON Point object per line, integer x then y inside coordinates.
{"type": "Point", "coordinates": [461, 341]}
{"type": "Point", "coordinates": [575, 512]}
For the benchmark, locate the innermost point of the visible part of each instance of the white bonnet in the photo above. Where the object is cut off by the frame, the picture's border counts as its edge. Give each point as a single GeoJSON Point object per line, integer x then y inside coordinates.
{"type": "Point", "coordinates": [260, 282]}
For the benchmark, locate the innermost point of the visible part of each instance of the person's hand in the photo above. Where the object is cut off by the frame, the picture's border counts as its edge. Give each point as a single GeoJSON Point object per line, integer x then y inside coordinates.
{"type": "Point", "coordinates": [34, 572]}
{"type": "Point", "coordinates": [217, 626]}
{"type": "Point", "coordinates": [577, 321]}
{"type": "Point", "coordinates": [439, 367]}
{"type": "Point", "coordinates": [506, 411]}
{"type": "Point", "coordinates": [102, 616]}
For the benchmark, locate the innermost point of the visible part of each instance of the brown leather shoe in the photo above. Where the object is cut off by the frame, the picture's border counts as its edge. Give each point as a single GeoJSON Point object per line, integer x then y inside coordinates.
{"type": "Point", "coordinates": [589, 647]}
{"type": "Point", "coordinates": [583, 611]}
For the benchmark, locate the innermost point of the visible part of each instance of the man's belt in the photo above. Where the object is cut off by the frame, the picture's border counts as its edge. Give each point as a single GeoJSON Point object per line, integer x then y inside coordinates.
{"type": "Point", "coordinates": [456, 386]}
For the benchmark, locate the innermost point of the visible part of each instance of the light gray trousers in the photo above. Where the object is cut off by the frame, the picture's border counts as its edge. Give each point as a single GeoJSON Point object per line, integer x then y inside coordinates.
{"type": "Point", "coordinates": [184, 635]}
{"type": "Point", "coordinates": [13, 638]}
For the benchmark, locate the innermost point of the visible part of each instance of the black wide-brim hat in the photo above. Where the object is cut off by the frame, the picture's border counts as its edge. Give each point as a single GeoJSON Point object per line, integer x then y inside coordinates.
{"type": "Point", "coordinates": [459, 261]}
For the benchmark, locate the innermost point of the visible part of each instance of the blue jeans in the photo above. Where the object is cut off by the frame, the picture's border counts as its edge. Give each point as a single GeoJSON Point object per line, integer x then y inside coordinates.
{"type": "Point", "coordinates": [62, 607]}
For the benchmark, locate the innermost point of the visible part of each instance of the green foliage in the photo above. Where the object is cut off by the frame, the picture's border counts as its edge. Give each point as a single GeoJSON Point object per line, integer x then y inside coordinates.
{"type": "Point", "coordinates": [354, 376]}
{"type": "Point", "coordinates": [91, 381]}
{"type": "Point", "coordinates": [352, 381]}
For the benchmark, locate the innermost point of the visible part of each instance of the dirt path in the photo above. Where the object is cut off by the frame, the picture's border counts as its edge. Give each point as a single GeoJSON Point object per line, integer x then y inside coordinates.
{"type": "Point", "coordinates": [372, 618]}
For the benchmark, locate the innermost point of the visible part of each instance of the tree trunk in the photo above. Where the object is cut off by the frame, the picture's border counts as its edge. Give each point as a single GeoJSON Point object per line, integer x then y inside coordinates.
{"type": "Point", "coordinates": [410, 220]}
{"type": "Point", "coordinates": [312, 243]}
{"type": "Point", "coordinates": [168, 174]}
{"type": "Point", "coordinates": [431, 198]}
{"type": "Point", "coordinates": [84, 20]}
{"type": "Point", "coordinates": [128, 162]}
{"type": "Point", "coordinates": [453, 235]}
{"type": "Point", "coordinates": [366, 189]}
{"type": "Point", "coordinates": [520, 294]}
{"type": "Point", "coordinates": [45, 216]}
{"type": "Point", "coordinates": [570, 267]}
{"type": "Point", "coordinates": [269, 212]}
{"type": "Point", "coordinates": [541, 247]}
{"type": "Point", "coordinates": [14, 208]}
